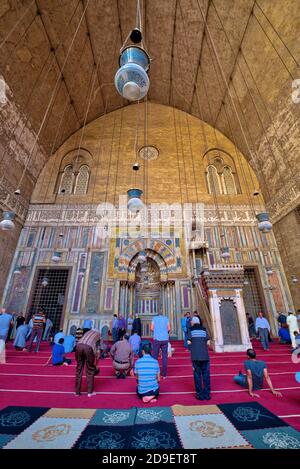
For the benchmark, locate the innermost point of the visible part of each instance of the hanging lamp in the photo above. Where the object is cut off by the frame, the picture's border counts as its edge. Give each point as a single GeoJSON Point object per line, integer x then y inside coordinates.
{"type": "Point", "coordinates": [142, 257]}
{"type": "Point", "coordinates": [269, 270]}
{"type": "Point", "coordinates": [131, 80]}
{"type": "Point", "coordinates": [45, 282]}
{"type": "Point", "coordinates": [225, 254]}
{"type": "Point", "coordinates": [134, 203]}
{"type": "Point", "coordinates": [264, 223]}
{"type": "Point", "coordinates": [56, 256]}
{"type": "Point", "coordinates": [294, 279]}
{"type": "Point", "coordinates": [17, 270]}
{"type": "Point", "coordinates": [7, 223]}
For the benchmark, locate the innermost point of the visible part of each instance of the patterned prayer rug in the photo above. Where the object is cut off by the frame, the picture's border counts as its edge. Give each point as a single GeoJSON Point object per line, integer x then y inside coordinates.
{"type": "Point", "coordinates": [50, 433]}
{"type": "Point", "coordinates": [250, 416]}
{"type": "Point", "coordinates": [208, 431]}
{"type": "Point", "coordinates": [273, 438]}
{"type": "Point", "coordinates": [159, 435]}
{"type": "Point", "coordinates": [13, 420]}
{"type": "Point", "coordinates": [101, 437]}
{"type": "Point", "coordinates": [238, 426]}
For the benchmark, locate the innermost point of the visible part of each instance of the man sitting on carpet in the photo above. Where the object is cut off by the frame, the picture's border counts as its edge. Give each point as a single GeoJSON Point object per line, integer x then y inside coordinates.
{"type": "Point", "coordinates": [122, 355]}
{"type": "Point", "coordinates": [148, 375]}
{"type": "Point", "coordinates": [58, 354]}
{"type": "Point", "coordinates": [256, 372]}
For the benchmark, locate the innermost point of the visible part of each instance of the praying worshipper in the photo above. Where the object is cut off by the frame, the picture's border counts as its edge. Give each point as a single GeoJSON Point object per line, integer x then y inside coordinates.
{"type": "Point", "coordinates": [171, 350]}
{"type": "Point", "coordinates": [48, 329]}
{"type": "Point", "coordinates": [87, 325]}
{"type": "Point", "coordinates": [147, 374]}
{"type": "Point", "coordinates": [251, 326]}
{"type": "Point", "coordinates": [121, 325]}
{"type": "Point", "coordinates": [160, 326]}
{"type": "Point", "coordinates": [114, 328]}
{"type": "Point", "coordinates": [297, 339]}
{"type": "Point", "coordinates": [198, 339]}
{"type": "Point", "coordinates": [69, 343]}
{"type": "Point", "coordinates": [129, 324]}
{"type": "Point", "coordinates": [122, 355]}
{"type": "Point", "coordinates": [281, 318]}
{"type": "Point", "coordinates": [184, 327]}
{"type": "Point", "coordinates": [293, 326]}
{"type": "Point", "coordinates": [137, 325]}
{"type": "Point", "coordinates": [144, 342]}
{"type": "Point", "coordinates": [20, 320]}
{"type": "Point", "coordinates": [135, 342]}
{"type": "Point", "coordinates": [284, 335]}
{"type": "Point", "coordinates": [256, 372]}
{"type": "Point", "coordinates": [21, 337]}
{"type": "Point", "coordinates": [262, 328]}
{"type": "Point", "coordinates": [38, 321]}
{"type": "Point", "coordinates": [87, 354]}
{"type": "Point", "coordinates": [79, 334]}
{"type": "Point", "coordinates": [11, 326]}
{"type": "Point", "coordinates": [5, 322]}
{"type": "Point", "coordinates": [59, 335]}
{"type": "Point", "coordinates": [58, 354]}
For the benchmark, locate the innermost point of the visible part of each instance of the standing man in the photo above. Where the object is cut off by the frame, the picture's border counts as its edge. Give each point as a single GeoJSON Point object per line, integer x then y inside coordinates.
{"type": "Point", "coordinates": [160, 326]}
{"type": "Point", "coordinates": [87, 325]}
{"type": "Point", "coordinates": [262, 327]}
{"type": "Point", "coordinates": [48, 329]}
{"type": "Point", "coordinates": [256, 372]}
{"type": "Point", "coordinates": [293, 327]}
{"type": "Point", "coordinates": [115, 328]}
{"type": "Point", "coordinates": [198, 339]}
{"type": "Point", "coordinates": [184, 326]}
{"type": "Point", "coordinates": [137, 325]}
{"type": "Point", "coordinates": [6, 322]}
{"type": "Point", "coordinates": [87, 354]}
{"type": "Point", "coordinates": [38, 321]}
{"type": "Point", "coordinates": [129, 324]}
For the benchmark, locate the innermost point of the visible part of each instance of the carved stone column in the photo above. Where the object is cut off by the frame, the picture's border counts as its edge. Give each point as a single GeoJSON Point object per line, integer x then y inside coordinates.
{"type": "Point", "coordinates": [131, 291]}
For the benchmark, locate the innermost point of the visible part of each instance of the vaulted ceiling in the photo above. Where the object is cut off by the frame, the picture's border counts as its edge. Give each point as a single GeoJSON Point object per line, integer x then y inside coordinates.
{"type": "Point", "coordinates": [229, 62]}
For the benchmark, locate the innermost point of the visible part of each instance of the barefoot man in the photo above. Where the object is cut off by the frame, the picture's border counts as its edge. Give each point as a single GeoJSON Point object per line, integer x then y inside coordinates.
{"type": "Point", "coordinates": [147, 375]}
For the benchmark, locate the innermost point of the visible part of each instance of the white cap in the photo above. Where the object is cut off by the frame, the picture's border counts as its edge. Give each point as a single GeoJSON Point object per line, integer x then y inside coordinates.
{"type": "Point", "coordinates": [195, 320]}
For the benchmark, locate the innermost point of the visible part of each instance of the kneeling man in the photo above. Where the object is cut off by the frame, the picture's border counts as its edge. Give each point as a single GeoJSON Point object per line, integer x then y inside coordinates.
{"type": "Point", "coordinates": [148, 375]}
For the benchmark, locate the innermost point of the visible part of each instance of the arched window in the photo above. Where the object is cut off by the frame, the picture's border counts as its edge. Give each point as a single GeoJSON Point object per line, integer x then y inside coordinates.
{"type": "Point", "coordinates": [213, 180]}
{"type": "Point", "coordinates": [229, 186]}
{"type": "Point", "coordinates": [67, 180]}
{"type": "Point", "coordinates": [82, 180]}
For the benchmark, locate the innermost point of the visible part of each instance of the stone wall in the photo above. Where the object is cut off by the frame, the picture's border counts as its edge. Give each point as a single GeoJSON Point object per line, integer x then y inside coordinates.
{"type": "Point", "coordinates": [287, 232]}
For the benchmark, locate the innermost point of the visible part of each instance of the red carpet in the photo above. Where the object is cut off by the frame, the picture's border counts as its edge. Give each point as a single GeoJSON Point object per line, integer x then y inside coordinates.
{"type": "Point", "coordinates": [25, 380]}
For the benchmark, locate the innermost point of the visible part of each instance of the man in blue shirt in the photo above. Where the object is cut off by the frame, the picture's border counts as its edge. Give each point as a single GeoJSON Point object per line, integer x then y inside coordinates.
{"type": "Point", "coordinates": [256, 372]}
{"type": "Point", "coordinates": [59, 335]}
{"type": "Point", "coordinates": [115, 323]}
{"type": "Point", "coordinates": [147, 375]}
{"type": "Point", "coordinates": [58, 354]}
{"type": "Point", "coordinates": [184, 326]}
{"type": "Point", "coordinates": [135, 342]}
{"type": "Point", "coordinates": [284, 335]}
{"type": "Point", "coordinates": [262, 327]}
{"type": "Point", "coordinates": [69, 343]}
{"type": "Point", "coordinates": [5, 322]}
{"type": "Point", "coordinates": [160, 327]}
{"type": "Point", "coordinates": [87, 325]}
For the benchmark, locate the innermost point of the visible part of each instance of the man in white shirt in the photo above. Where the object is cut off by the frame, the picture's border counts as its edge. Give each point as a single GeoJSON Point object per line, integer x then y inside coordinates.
{"type": "Point", "coordinates": [262, 327]}
{"type": "Point", "coordinates": [160, 327]}
{"type": "Point", "coordinates": [293, 327]}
